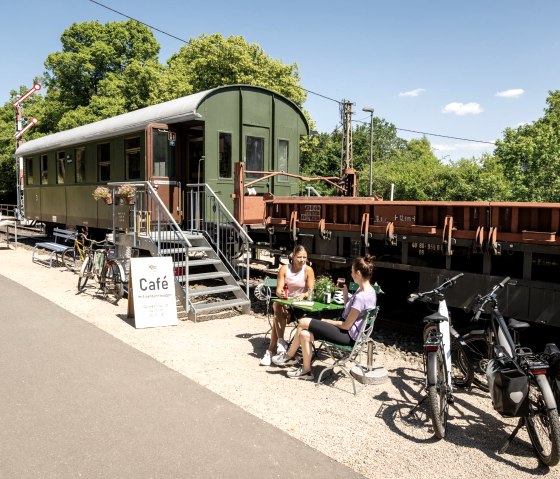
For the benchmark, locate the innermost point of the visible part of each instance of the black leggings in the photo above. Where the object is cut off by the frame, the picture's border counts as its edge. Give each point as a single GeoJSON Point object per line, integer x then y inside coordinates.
{"type": "Point", "coordinates": [330, 332]}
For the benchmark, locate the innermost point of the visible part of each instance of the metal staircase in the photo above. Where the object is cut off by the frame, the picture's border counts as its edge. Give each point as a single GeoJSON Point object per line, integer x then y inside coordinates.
{"type": "Point", "coordinates": [206, 275]}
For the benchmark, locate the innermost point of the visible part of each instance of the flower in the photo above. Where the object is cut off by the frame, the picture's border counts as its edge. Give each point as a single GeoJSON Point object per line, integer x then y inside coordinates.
{"type": "Point", "coordinates": [126, 191]}
{"type": "Point", "coordinates": [101, 193]}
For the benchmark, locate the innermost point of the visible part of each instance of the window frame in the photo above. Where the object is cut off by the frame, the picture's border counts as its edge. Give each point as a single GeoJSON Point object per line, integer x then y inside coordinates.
{"type": "Point", "coordinates": [103, 163]}
{"type": "Point", "coordinates": [284, 178]}
{"type": "Point", "coordinates": [44, 169]}
{"type": "Point", "coordinates": [230, 163]}
{"type": "Point", "coordinates": [132, 150]}
{"type": "Point", "coordinates": [247, 149]}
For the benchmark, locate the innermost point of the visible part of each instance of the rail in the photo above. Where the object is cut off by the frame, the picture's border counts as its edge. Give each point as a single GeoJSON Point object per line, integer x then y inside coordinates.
{"type": "Point", "coordinates": [149, 217]}
{"type": "Point", "coordinates": [207, 214]}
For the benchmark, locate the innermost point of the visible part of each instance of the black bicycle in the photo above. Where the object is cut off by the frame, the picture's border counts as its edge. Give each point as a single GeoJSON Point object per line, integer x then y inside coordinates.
{"type": "Point", "coordinates": [518, 381]}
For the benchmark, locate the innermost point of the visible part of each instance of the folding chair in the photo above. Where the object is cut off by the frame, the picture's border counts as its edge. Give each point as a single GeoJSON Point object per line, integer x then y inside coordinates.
{"type": "Point", "coordinates": [345, 356]}
{"type": "Point", "coordinates": [266, 291]}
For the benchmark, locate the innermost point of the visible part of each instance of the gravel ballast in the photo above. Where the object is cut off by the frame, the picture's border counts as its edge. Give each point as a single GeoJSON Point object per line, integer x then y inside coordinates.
{"type": "Point", "coordinates": [373, 432]}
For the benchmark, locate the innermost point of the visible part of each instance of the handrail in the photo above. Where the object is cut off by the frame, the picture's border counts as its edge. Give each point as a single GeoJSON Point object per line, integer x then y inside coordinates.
{"type": "Point", "coordinates": [226, 211]}
{"type": "Point", "coordinates": [174, 243]}
{"type": "Point", "coordinates": [229, 239]}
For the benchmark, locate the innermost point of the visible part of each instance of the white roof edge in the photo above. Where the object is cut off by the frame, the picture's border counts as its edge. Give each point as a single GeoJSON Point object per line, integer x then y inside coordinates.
{"type": "Point", "coordinates": [173, 111]}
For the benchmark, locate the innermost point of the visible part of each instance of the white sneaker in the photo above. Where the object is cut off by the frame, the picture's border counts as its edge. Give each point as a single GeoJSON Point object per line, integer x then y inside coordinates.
{"type": "Point", "coordinates": [301, 374]}
{"type": "Point", "coordinates": [266, 359]}
{"type": "Point", "coordinates": [283, 359]}
{"type": "Point", "coordinates": [282, 346]}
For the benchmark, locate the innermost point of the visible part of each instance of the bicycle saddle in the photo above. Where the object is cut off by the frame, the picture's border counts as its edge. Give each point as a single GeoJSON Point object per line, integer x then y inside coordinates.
{"type": "Point", "coordinates": [435, 318]}
{"type": "Point", "coordinates": [517, 325]}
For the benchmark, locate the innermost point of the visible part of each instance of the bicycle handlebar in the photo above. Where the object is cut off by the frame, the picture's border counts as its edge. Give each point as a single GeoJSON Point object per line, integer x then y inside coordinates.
{"type": "Point", "coordinates": [491, 296]}
{"type": "Point", "coordinates": [443, 286]}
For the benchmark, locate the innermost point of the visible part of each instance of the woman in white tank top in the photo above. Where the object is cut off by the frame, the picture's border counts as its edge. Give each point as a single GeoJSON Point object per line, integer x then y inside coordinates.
{"type": "Point", "coordinates": [300, 280]}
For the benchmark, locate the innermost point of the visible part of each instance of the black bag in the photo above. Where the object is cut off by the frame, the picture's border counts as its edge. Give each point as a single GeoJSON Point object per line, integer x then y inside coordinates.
{"type": "Point", "coordinates": [509, 388]}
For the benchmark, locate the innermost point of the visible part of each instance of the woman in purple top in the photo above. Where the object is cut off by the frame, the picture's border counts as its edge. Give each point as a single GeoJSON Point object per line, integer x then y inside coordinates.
{"type": "Point", "coordinates": [340, 332]}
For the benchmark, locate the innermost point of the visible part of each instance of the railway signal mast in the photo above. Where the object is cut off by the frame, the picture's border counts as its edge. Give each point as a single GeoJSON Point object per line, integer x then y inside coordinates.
{"type": "Point", "coordinates": [22, 125]}
{"type": "Point", "coordinates": [348, 174]}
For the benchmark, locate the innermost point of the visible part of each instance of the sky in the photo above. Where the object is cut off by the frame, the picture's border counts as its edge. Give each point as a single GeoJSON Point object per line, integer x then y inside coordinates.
{"type": "Point", "coordinates": [460, 69]}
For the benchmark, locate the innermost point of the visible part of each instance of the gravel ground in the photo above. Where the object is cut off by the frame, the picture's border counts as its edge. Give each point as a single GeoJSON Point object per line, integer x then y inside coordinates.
{"type": "Point", "coordinates": [372, 432]}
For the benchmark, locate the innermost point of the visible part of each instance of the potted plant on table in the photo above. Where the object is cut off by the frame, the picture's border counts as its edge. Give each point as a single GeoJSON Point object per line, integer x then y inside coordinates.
{"type": "Point", "coordinates": [322, 285]}
{"type": "Point", "coordinates": [103, 193]}
{"type": "Point", "coordinates": [126, 192]}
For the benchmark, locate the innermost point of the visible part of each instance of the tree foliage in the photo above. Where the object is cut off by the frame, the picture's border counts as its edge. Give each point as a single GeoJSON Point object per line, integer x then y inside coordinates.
{"type": "Point", "coordinates": [530, 156]}
{"type": "Point", "coordinates": [212, 60]}
{"type": "Point", "coordinates": [102, 70]}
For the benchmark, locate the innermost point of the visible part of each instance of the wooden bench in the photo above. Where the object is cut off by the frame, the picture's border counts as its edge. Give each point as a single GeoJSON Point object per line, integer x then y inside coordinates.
{"type": "Point", "coordinates": [56, 247]}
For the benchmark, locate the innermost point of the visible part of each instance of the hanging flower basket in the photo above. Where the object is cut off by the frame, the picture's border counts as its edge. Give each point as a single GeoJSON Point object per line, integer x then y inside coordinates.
{"type": "Point", "coordinates": [127, 193]}
{"type": "Point", "coordinates": [103, 193]}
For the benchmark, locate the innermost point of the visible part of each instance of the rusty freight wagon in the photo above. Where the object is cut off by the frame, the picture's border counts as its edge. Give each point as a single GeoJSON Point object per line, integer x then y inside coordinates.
{"type": "Point", "coordinates": [417, 243]}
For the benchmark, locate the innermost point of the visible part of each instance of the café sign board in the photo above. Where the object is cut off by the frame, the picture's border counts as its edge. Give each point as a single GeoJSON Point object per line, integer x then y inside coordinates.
{"type": "Point", "coordinates": [153, 292]}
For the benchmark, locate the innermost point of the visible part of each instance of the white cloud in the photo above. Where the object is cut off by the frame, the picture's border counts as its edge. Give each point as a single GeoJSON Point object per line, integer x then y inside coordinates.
{"type": "Point", "coordinates": [463, 108]}
{"type": "Point", "coordinates": [513, 93]}
{"type": "Point", "coordinates": [414, 92]}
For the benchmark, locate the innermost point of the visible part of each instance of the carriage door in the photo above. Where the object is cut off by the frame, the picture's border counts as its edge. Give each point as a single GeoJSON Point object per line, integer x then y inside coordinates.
{"type": "Point", "coordinates": [256, 154]}
{"type": "Point", "coordinates": [161, 167]}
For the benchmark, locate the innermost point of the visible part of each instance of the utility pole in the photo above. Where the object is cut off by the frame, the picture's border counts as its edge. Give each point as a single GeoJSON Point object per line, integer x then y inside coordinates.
{"type": "Point", "coordinates": [22, 125]}
{"type": "Point", "coordinates": [369, 110]}
{"type": "Point", "coordinates": [346, 116]}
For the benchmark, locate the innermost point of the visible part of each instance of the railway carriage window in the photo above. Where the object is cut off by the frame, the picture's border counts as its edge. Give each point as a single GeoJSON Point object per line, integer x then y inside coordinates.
{"type": "Point", "coordinates": [254, 158]}
{"type": "Point", "coordinates": [283, 148]}
{"type": "Point", "coordinates": [163, 154]}
{"type": "Point", "coordinates": [29, 171]}
{"type": "Point", "coordinates": [60, 167]}
{"type": "Point", "coordinates": [225, 155]}
{"type": "Point", "coordinates": [44, 170]}
{"type": "Point", "coordinates": [80, 159]}
{"type": "Point", "coordinates": [104, 162]}
{"type": "Point", "coordinates": [132, 158]}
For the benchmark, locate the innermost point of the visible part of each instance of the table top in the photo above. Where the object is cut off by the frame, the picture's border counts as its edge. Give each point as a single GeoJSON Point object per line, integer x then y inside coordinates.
{"type": "Point", "coordinates": [312, 306]}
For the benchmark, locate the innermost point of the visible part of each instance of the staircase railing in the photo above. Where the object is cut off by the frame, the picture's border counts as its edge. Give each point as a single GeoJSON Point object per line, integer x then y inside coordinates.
{"type": "Point", "coordinates": [207, 213]}
{"type": "Point", "coordinates": [149, 217]}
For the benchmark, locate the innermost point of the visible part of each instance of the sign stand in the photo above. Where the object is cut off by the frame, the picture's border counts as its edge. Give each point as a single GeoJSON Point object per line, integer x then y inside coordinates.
{"type": "Point", "coordinates": [151, 292]}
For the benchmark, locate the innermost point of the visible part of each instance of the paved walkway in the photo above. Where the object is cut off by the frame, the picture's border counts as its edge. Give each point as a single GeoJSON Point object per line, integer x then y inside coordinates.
{"type": "Point", "coordinates": [76, 402]}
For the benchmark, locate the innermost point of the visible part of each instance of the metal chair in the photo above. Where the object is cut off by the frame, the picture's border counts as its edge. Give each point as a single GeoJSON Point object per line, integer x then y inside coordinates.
{"type": "Point", "coordinates": [266, 291]}
{"type": "Point", "coordinates": [345, 356]}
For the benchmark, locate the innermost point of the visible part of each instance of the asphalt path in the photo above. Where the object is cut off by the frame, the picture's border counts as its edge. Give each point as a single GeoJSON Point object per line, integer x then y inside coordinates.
{"type": "Point", "coordinates": [76, 402]}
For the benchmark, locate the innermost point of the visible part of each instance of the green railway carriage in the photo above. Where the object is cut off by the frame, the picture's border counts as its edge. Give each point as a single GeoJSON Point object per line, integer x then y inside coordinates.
{"type": "Point", "coordinates": [193, 139]}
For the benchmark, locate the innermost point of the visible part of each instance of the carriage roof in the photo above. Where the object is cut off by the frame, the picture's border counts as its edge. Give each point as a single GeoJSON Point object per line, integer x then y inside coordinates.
{"type": "Point", "coordinates": [173, 111]}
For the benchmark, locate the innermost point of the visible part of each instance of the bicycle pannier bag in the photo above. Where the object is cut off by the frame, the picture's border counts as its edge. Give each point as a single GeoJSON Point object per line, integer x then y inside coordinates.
{"type": "Point", "coordinates": [509, 388]}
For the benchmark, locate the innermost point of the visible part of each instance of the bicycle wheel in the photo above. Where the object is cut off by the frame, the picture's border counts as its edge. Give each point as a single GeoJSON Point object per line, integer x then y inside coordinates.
{"type": "Point", "coordinates": [71, 259]}
{"type": "Point", "coordinates": [112, 281]}
{"type": "Point", "coordinates": [438, 404]}
{"type": "Point", "coordinates": [543, 424]}
{"type": "Point", "coordinates": [477, 350]}
{"type": "Point", "coordinates": [462, 369]}
{"type": "Point", "coordinates": [85, 273]}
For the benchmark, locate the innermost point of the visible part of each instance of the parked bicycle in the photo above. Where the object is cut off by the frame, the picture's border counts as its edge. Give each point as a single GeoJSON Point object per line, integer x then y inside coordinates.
{"type": "Point", "coordinates": [439, 347]}
{"type": "Point", "coordinates": [100, 265]}
{"type": "Point", "coordinates": [74, 257]}
{"type": "Point", "coordinates": [518, 381]}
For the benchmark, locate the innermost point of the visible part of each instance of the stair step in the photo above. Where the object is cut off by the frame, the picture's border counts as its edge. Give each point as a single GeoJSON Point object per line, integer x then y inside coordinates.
{"type": "Point", "coordinates": [214, 290]}
{"type": "Point", "coordinates": [230, 303]}
{"type": "Point", "coordinates": [198, 262]}
{"type": "Point", "coordinates": [212, 275]}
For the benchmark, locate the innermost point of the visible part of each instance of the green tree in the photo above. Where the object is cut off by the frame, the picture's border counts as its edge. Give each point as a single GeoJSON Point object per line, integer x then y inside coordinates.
{"type": "Point", "coordinates": [212, 60]}
{"type": "Point", "coordinates": [414, 170]}
{"type": "Point", "coordinates": [530, 156]}
{"type": "Point", "coordinates": [102, 70]}
{"type": "Point", "coordinates": [475, 180]}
